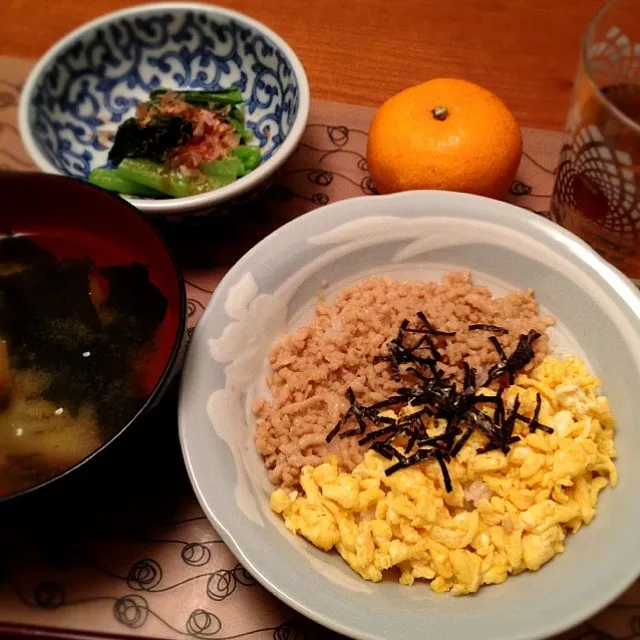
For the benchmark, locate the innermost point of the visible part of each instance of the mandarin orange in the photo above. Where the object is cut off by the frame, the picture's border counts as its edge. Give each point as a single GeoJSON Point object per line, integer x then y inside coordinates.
{"type": "Point", "coordinates": [445, 134]}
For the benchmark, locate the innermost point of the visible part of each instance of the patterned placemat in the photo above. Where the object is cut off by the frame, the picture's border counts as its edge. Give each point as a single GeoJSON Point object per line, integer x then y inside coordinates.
{"type": "Point", "coordinates": [135, 555]}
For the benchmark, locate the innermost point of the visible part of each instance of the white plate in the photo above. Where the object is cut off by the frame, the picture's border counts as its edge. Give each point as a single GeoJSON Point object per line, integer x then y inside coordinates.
{"type": "Point", "coordinates": [416, 234]}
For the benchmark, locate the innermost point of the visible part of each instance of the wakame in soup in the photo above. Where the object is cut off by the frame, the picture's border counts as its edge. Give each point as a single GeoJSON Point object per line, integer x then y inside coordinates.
{"type": "Point", "coordinates": [75, 341]}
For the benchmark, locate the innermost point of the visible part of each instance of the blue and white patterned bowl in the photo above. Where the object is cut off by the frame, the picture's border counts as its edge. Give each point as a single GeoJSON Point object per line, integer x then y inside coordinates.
{"type": "Point", "coordinates": [90, 82]}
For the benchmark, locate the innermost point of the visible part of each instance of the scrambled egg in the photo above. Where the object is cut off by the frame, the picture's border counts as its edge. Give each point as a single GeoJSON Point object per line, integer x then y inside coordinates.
{"type": "Point", "coordinates": [505, 514]}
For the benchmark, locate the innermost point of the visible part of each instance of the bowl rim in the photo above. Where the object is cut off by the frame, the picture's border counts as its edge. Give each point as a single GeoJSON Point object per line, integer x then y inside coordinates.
{"type": "Point", "coordinates": [202, 201]}
{"type": "Point", "coordinates": [585, 255]}
{"type": "Point", "coordinates": [178, 340]}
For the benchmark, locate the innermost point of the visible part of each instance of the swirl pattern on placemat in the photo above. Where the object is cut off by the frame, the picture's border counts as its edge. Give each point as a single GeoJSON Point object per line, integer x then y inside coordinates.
{"type": "Point", "coordinates": [133, 610]}
{"type": "Point", "coordinates": [145, 575]}
{"type": "Point", "coordinates": [195, 554]}
{"type": "Point", "coordinates": [11, 155]}
{"type": "Point", "coordinates": [330, 160]}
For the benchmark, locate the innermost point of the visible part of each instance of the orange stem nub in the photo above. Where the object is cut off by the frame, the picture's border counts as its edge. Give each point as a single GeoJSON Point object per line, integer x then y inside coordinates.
{"type": "Point", "coordinates": [440, 113]}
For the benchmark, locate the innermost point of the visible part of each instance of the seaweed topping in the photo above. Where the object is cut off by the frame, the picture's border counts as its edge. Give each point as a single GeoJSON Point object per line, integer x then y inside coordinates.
{"type": "Point", "coordinates": [488, 327]}
{"type": "Point", "coordinates": [428, 328]}
{"type": "Point", "coordinates": [445, 472]}
{"type": "Point", "coordinates": [49, 320]}
{"type": "Point", "coordinates": [436, 396]}
{"type": "Point", "coordinates": [469, 376]}
{"type": "Point", "coordinates": [534, 423]}
{"type": "Point", "coordinates": [521, 356]}
{"type": "Point", "coordinates": [358, 412]}
{"type": "Point", "coordinates": [154, 141]}
{"type": "Point", "coordinates": [399, 353]}
{"type": "Point", "coordinates": [384, 449]}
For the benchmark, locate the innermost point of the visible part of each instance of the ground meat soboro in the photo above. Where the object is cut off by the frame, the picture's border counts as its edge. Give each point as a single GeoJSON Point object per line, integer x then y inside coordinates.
{"type": "Point", "coordinates": [313, 367]}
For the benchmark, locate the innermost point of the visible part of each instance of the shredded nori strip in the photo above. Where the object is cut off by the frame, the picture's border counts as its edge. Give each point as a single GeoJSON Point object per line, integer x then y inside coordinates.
{"type": "Point", "coordinates": [534, 423]}
{"type": "Point", "coordinates": [538, 425]}
{"type": "Point", "coordinates": [407, 461]}
{"type": "Point", "coordinates": [359, 412]}
{"type": "Point", "coordinates": [445, 473]}
{"type": "Point", "coordinates": [498, 347]}
{"type": "Point", "coordinates": [399, 353]}
{"type": "Point", "coordinates": [494, 446]}
{"type": "Point", "coordinates": [462, 440]}
{"type": "Point", "coordinates": [385, 450]}
{"type": "Point", "coordinates": [378, 433]}
{"type": "Point", "coordinates": [522, 355]}
{"type": "Point", "coordinates": [432, 332]}
{"type": "Point", "coordinates": [440, 398]}
{"type": "Point", "coordinates": [389, 402]}
{"type": "Point", "coordinates": [499, 416]}
{"type": "Point", "coordinates": [435, 354]}
{"type": "Point", "coordinates": [510, 422]}
{"type": "Point", "coordinates": [411, 442]}
{"type": "Point", "coordinates": [488, 327]}
{"type": "Point", "coordinates": [469, 376]}
{"type": "Point", "coordinates": [429, 328]}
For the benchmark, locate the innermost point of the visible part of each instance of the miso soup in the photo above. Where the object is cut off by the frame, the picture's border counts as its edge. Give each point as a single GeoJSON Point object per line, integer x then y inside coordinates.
{"type": "Point", "coordinates": [76, 343]}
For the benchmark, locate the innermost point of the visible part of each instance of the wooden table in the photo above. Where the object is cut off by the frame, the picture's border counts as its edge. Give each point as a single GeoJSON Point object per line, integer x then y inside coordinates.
{"type": "Point", "coordinates": [363, 51]}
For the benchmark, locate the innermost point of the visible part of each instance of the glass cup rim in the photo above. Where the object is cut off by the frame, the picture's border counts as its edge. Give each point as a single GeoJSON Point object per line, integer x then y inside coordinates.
{"type": "Point", "coordinates": [587, 68]}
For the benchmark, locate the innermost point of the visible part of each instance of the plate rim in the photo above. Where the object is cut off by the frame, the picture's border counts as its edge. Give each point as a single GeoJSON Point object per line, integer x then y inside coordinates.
{"type": "Point", "coordinates": [615, 279]}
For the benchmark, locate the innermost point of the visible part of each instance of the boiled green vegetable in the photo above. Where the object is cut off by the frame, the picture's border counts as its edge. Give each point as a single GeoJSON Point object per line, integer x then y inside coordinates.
{"type": "Point", "coordinates": [250, 156]}
{"type": "Point", "coordinates": [232, 95]}
{"type": "Point", "coordinates": [224, 168]}
{"type": "Point", "coordinates": [171, 182]}
{"type": "Point", "coordinates": [110, 180]}
{"type": "Point", "coordinates": [144, 145]}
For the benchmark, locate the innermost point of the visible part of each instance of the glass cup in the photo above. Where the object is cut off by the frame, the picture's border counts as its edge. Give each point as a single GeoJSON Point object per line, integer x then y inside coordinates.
{"type": "Point", "coordinates": [597, 189]}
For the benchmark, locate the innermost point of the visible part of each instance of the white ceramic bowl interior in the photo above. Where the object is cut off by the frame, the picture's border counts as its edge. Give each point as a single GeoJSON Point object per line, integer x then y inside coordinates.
{"type": "Point", "coordinates": [419, 235]}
